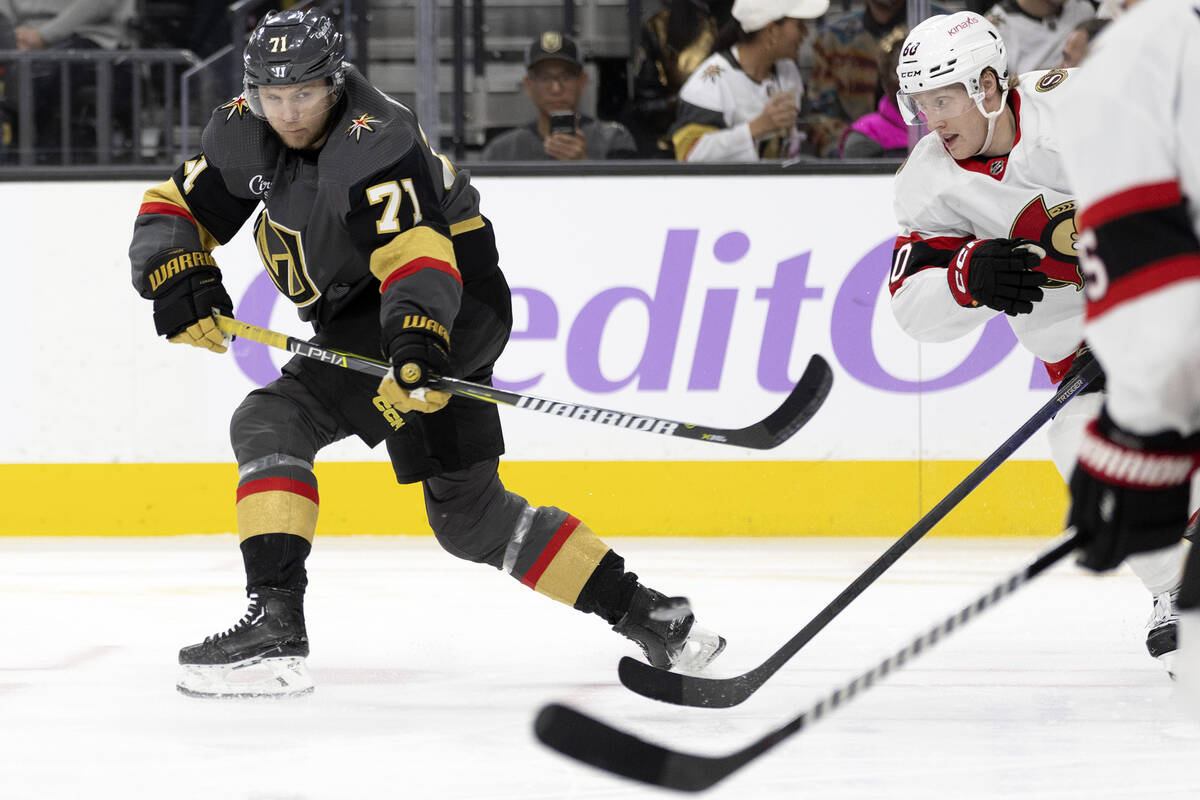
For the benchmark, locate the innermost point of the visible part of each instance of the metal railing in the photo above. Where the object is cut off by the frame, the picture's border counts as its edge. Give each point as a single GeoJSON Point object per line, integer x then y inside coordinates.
{"type": "Point", "coordinates": [95, 94]}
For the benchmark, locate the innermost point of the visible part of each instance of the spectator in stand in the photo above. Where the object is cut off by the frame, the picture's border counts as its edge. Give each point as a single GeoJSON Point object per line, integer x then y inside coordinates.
{"type": "Point", "coordinates": [554, 81]}
{"type": "Point", "coordinates": [846, 76]}
{"type": "Point", "coordinates": [1076, 45]}
{"type": "Point", "coordinates": [741, 104]}
{"type": "Point", "coordinates": [68, 25]}
{"type": "Point", "coordinates": [883, 133]}
{"type": "Point", "coordinates": [674, 41]}
{"type": "Point", "coordinates": [1034, 30]}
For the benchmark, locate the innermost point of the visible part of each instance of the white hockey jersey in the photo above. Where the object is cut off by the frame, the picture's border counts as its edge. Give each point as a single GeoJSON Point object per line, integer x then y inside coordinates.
{"type": "Point", "coordinates": [718, 102]}
{"type": "Point", "coordinates": [942, 203]}
{"type": "Point", "coordinates": [1032, 43]}
{"type": "Point", "coordinates": [1134, 158]}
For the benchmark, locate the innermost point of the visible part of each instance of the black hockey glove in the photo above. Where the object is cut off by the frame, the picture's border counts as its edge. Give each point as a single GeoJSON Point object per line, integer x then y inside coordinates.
{"type": "Point", "coordinates": [187, 291]}
{"type": "Point", "coordinates": [417, 357]}
{"type": "Point", "coordinates": [999, 274]}
{"type": "Point", "coordinates": [1129, 493]}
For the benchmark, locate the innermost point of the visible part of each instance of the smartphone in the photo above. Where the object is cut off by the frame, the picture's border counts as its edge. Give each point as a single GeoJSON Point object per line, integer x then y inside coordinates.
{"type": "Point", "coordinates": [562, 121]}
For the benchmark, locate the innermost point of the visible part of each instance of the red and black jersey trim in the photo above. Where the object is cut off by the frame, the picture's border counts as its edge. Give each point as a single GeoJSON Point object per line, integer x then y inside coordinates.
{"type": "Point", "coordinates": [913, 253]}
{"type": "Point", "coordinates": [1144, 238]}
{"type": "Point", "coordinates": [211, 204]}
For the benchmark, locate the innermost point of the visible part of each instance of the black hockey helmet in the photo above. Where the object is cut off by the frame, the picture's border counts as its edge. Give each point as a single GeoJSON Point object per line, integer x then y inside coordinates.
{"type": "Point", "coordinates": [290, 47]}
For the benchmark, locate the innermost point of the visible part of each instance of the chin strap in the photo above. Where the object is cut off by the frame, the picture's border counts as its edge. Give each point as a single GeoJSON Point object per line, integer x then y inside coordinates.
{"type": "Point", "coordinates": [991, 117]}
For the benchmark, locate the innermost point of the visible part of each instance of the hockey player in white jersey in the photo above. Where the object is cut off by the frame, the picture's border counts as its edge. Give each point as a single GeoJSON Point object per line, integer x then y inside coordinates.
{"type": "Point", "coordinates": [987, 218]}
{"type": "Point", "coordinates": [1134, 160]}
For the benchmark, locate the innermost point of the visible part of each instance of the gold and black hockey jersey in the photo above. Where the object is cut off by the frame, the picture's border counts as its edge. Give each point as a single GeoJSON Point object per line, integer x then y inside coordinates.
{"type": "Point", "coordinates": [372, 230]}
{"type": "Point", "coordinates": [374, 208]}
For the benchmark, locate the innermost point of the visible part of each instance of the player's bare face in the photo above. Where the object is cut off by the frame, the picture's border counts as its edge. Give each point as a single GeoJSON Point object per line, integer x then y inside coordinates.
{"type": "Point", "coordinates": [298, 113]}
{"type": "Point", "coordinates": [951, 113]}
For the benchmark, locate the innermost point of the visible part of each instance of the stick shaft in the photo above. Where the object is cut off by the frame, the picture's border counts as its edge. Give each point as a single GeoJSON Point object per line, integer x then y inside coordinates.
{"type": "Point", "coordinates": [726, 692]}
{"type": "Point", "coordinates": [800, 405]}
{"type": "Point", "coordinates": [593, 742]}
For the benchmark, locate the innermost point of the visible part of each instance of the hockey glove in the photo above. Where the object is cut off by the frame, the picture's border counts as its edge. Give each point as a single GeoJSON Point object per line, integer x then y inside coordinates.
{"type": "Point", "coordinates": [417, 359]}
{"type": "Point", "coordinates": [184, 303]}
{"type": "Point", "coordinates": [1129, 493]}
{"type": "Point", "coordinates": [999, 274]}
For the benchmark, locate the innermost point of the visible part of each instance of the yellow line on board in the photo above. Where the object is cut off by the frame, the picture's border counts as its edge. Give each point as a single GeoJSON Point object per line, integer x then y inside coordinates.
{"type": "Point", "coordinates": [615, 498]}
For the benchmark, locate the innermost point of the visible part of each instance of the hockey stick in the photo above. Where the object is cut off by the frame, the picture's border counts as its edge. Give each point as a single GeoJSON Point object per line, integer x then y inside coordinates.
{"type": "Point", "coordinates": [798, 407]}
{"type": "Point", "coordinates": [691, 690]}
{"type": "Point", "coordinates": [593, 742]}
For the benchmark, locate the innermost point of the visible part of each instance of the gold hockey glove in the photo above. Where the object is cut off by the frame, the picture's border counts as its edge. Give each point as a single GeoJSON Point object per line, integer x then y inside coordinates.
{"type": "Point", "coordinates": [187, 291]}
{"type": "Point", "coordinates": [416, 360]}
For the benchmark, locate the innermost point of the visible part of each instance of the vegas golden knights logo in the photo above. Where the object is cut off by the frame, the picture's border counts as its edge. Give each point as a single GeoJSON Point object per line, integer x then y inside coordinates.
{"type": "Point", "coordinates": [282, 254]}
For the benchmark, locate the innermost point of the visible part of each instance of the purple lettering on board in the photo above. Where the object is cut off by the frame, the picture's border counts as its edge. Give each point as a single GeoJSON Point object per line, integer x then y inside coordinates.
{"type": "Point", "coordinates": [543, 324]}
{"type": "Point", "coordinates": [784, 298]}
{"type": "Point", "coordinates": [1040, 379]}
{"type": "Point", "coordinates": [252, 358]}
{"type": "Point", "coordinates": [664, 309]}
{"type": "Point", "coordinates": [853, 309]}
{"type": "Point", "coordinates": [716, 320]}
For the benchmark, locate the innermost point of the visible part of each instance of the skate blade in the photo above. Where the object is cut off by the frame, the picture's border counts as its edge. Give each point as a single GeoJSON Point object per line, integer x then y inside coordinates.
{"type": "Point", "coordinates": [701, 649]}
{"type": "Point", "coordinates": [253, 678]}
{"type": "Point", "coordinates": [1168, 662]}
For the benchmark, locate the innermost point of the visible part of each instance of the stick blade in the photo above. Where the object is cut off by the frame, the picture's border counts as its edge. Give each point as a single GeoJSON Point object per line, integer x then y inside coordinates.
{"type": "Point", "coordinates": [805, 399]}
{"type": "Point", "coordinates": [589, 740]}
{"type": "Point", "coordinates": [684, 690]}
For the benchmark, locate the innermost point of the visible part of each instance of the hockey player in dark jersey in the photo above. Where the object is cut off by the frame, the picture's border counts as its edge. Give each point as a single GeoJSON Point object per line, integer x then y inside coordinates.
{"type": "Point", "coordinates": [381, 245]}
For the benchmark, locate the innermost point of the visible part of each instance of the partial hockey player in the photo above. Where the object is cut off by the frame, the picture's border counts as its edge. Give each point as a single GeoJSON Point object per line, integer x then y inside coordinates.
{"type": "Point", "coordinates": [381, 245]}
{"type": "Point", "coordinates": [1133, 157]}
{"type": "Point", "coordinates": [987, 219]}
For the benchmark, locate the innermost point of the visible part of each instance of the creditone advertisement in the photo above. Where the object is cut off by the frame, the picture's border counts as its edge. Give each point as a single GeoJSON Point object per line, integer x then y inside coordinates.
{"type": "Point", "coordinates": [692, 298]}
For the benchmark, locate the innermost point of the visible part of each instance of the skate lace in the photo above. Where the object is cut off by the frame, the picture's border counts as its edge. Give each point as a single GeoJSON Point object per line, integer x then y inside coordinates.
{"type": "Point", "coordinates": [253, 614]}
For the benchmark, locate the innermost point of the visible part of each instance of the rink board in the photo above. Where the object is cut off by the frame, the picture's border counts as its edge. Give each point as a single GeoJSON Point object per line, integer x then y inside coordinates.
{"type": "Point", "coordinates": [695, 298]}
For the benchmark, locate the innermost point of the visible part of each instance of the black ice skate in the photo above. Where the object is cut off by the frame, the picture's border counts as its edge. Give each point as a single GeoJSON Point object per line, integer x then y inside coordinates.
{"type": "Point", "coordinates": [665, 629]}
{"type": "Point", "coordinates": [1161, 630]}
{"type": "Point", "coordinates": [261, 656]}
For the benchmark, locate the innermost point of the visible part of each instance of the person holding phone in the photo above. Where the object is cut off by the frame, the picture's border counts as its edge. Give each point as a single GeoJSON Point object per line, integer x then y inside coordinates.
{"type": "Point", "coordinates": [555, 81]}
{"type": "Point", "coordinates": [741, 103]}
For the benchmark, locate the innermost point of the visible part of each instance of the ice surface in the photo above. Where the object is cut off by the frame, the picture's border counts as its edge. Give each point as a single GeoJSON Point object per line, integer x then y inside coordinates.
{"type": "Point", "coordinates": [429, 671]}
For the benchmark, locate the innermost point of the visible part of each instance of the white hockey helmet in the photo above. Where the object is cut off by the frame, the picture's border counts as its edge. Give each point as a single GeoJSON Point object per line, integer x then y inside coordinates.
{"type": "Point", "coordinates": [948, 49]}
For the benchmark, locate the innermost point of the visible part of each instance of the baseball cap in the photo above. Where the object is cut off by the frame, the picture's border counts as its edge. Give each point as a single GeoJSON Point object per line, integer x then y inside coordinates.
{"type": "Point", "coordinates": [755, 15]}
{"type": "Point", "coordinates": [552, 44]}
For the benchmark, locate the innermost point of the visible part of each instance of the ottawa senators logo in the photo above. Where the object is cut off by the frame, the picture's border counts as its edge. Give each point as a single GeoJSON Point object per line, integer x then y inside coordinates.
{"type": "Point", "coordinates": [1054, 229]}
{"type": "Point", "coordinates": [1053, 78]}
{"type": "Point", "coordinates": [282, 254]}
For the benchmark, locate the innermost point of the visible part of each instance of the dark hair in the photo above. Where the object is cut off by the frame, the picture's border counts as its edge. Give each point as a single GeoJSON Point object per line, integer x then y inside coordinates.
{"type": "Point", "coordinates": [1091, 27]}
{"type": "Point", "coordinates": [685, 21]}
{"type": "Point", "coordinates": [731, 33]}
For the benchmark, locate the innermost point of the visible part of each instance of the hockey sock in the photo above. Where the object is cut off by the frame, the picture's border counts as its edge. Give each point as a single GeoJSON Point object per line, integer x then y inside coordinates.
{"type": "Point", "coordinates": [1160, 570]}
{"type": "Point", "coordinates": [277, 517]}
{"type": "Point", "coordinates": [558, 557]}
{"type": "Point", "coordinates": [276, 560]}
{"type": "Point", "coordinates": [609, 591]}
